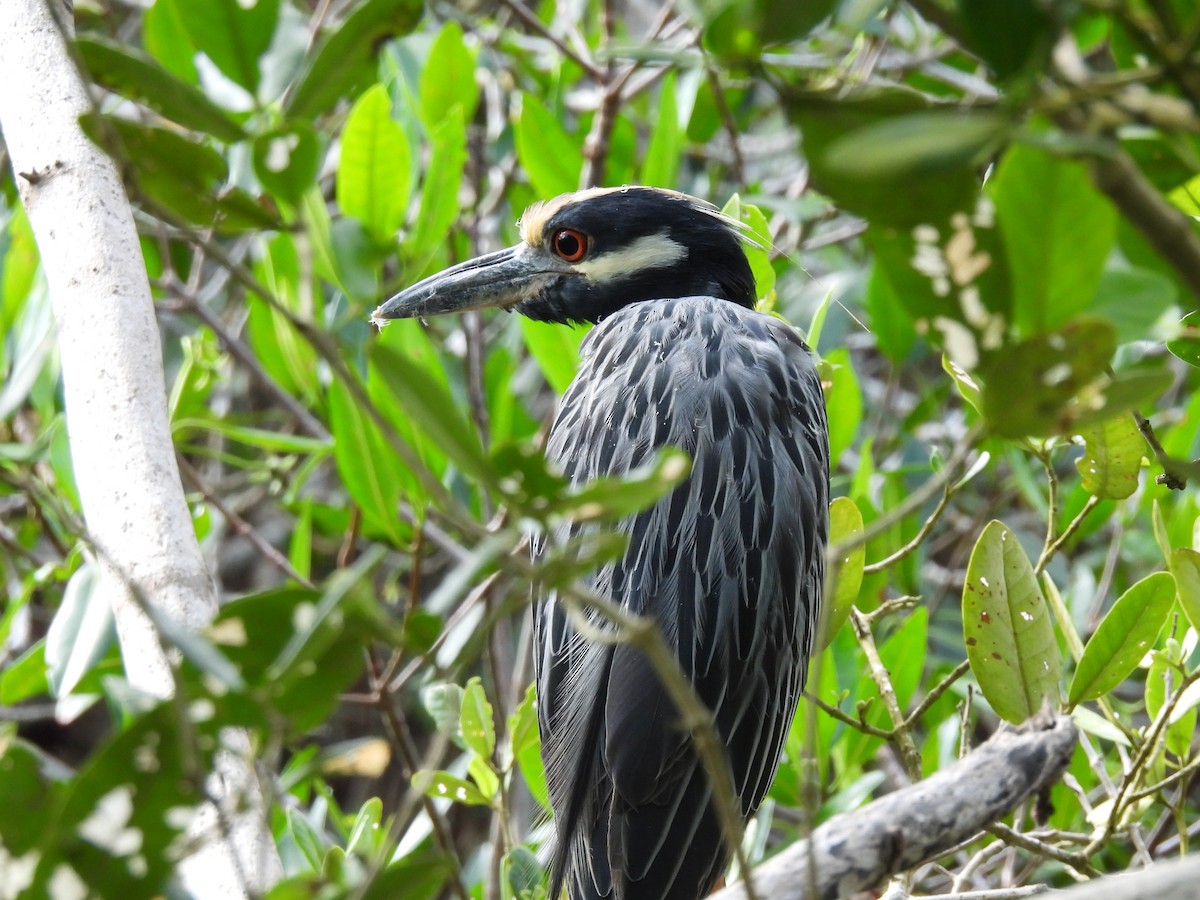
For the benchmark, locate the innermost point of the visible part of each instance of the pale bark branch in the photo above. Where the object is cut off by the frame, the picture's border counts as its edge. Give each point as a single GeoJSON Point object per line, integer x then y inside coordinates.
{"type": "Point", "coordinates": [115, 399]}
{"type": "Point", "coordinates": [1176, 880]}
{"type": "Point", "coordinates": [860, 850]}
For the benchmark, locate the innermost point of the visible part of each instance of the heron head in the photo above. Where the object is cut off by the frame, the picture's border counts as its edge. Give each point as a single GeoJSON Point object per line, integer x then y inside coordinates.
{"type": "Point", "coordinates": [584, 256]}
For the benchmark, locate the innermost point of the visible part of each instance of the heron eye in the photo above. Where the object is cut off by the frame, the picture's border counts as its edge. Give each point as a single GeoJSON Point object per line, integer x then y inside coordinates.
{"type": "Point", "coordinates": [569, 244]}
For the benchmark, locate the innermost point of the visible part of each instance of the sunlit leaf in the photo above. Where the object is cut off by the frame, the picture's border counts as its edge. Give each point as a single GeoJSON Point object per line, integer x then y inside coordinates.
{"type": "Point", "coordinates": [432, 408]}
{"type": "Point", "coordinates": [1058, 230]}
{"type": "Point", "coordinates": [526, 746]}
{"type": "Point", "coordinates": [375, 169]}
{"type": "Point", "coordinates": [661, 163]}
{"type": "Point", "coordinates": [758, 248]}
{"type": "Point", "coordinates": [845, 524]}
{"type": "Point", "coordinates": [844, 402]}
{"type": "Point", "coordinates": [439, 190]}
{"type": "Point", "coordinates": [1096, 724]}
{"type": "Point", "coordinates": [1008, 628]}
{"type": "Point", "coordinates": [448, 78]}
{"type": "Point", "coordinates": [550, 157]}
{"type": "Point", "coordinates": [1124, 636]}
{"type": "Point", "coordinates": [484, 776]}
{"type": "Point", "coordinates": [366, 462]}
{"type": "Point", "coordinates": [555, 348]}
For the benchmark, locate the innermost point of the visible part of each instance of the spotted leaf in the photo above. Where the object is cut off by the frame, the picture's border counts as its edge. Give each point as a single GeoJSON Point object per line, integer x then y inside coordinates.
{"type": "Point", "coordinates": [1007, 626]}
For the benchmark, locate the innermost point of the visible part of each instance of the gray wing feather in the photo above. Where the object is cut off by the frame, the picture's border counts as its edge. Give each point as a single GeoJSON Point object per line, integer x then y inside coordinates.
{"type": "Point", "coordinates": [730, 564]}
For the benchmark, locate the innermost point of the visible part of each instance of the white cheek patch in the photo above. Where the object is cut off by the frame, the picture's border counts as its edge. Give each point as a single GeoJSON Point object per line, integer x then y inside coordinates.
{"type": "Point", "coordinates": [654, 251]}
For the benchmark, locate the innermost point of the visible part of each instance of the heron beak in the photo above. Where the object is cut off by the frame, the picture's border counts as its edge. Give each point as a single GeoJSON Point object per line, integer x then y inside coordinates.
{"type": "Point", "coordinates": [501, 279]}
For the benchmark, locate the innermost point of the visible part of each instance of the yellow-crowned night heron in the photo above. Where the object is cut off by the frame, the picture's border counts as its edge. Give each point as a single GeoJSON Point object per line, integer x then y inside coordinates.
{"type": "Point", "coordinates": [730, 564]}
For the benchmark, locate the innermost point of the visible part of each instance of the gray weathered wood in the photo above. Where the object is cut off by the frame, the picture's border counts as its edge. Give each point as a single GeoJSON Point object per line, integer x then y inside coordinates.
{"type": "Point", "coordinates": [1175, 880]}
{"type": "Point", "coordinates": [859, 850]}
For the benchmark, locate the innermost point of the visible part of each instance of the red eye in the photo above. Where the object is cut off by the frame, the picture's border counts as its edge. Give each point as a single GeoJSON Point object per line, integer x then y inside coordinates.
{"type": "Point", "coordinates": [569, 244]}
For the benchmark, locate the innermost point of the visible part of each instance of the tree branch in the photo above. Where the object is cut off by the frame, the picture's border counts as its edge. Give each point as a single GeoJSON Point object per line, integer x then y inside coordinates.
{"type": "Point", "coordinates": [116, 407]}
{"type": "Point", "coordinates": [860, 850]}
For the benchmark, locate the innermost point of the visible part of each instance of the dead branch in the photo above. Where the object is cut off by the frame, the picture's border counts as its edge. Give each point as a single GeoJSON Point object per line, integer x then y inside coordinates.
{"type": "Point", "coordinates": [859, 850]}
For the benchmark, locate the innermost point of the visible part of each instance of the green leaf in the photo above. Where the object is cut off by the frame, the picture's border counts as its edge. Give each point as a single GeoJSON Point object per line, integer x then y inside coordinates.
{"type": "Point", "coordinates": [484, 776]}
{"type": "Point", "coordinates": [364, 831]}
{"type": "Point", "coordinates": [431, 407]}
{"type": "Point", "coordinates": [297, 648]}
{"type": "Point", "coordinates": [477, 726]}
{"type": "Point", "coordinates": [1184, 564]}
{"type": "Point", "coordinates": [286, 160]}
{"type": "Point", "coordinates": [345, 60]}
{"type": "Point", "coordinates": [165, 38]}
{"type": "Point", "coordinates": [444, 702]}
{"type": "Point", "coordinates": [737, 31]}
{"type": "Point", "coordinates": [185, 176]}
{"type": "Point", "coordinates": [556, 350]}
{"type": "Point", "coordinates": [366, 462]}
{"type": "Point", "coordinates": [133, 74]}
{"type": "Point", "coordinates": [660, 167]}
{"type": "Point", "coordinates": [1058, 231]}
{"type": "Point", "coordinates": [25, 786]}
{"type": "Point", "coordinates": [1133, 300]}
{"type": "Point", "coordinates": [1186, 344]}
{"type": "Point", "coordinates": [1007, 627]}
{"type": "Point", "coordinates": [448, 78]}
{"type": "Point", "coordinates": [112, 823]}
{"type": "Point", "coordinates": [1125, 635]}
{"type": "Point", "coordinates": [1014, 37]}
{"type": "Point", "coordinates": [527, 747]}
{"type": "Point", "coordinates": [917, 145]}
{"type": "Point", "coordinates": [444, 786]}
{"type": "Point", "coordinates": [1112, 458]}
{"type": "Point", "coordinates": [1186, 197]}
{"type": "Point", "coordinates": [374, 180]}
{"type": "Point", "coordinates": [231, 33]}
{"type": "Point", "coordinates": [615, 497]}
{"type": "Point", "coordinates": [1096, 724]}
{"type": "Point", "coordinates": [968, 387]}
{"type": "Point", "coordinates": [1027, 386]}
{"type": "Point", "coordinates": [519, 872]}
{"type": "Point", "coordinates": [306, 837]}
{"type": "Point", "coordinates": [259, 438]}
{"type": "Point", "coordinates": [845, 524]}
{"type": "Point", "coordinates": [844, 401]}
{"type": "Point", "coordinates": [25, 676]}
{"type": "Point", "coordinates": [81, 632]}
{"type": "Point", "coordinates": [758, 253]}
{"type": "Point", "coordinates": [549, 156]}
{"type": "Point", "coordinates": [1162, 680]}
{"type": "Point", "coordinates": [946, 183]}
{"type": "Point", "coordinates": [439, 190]}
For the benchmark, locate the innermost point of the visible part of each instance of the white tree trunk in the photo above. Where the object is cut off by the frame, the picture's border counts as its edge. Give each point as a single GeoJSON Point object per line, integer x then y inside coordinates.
{"type": "Point", "coordinates": [115, 398]}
